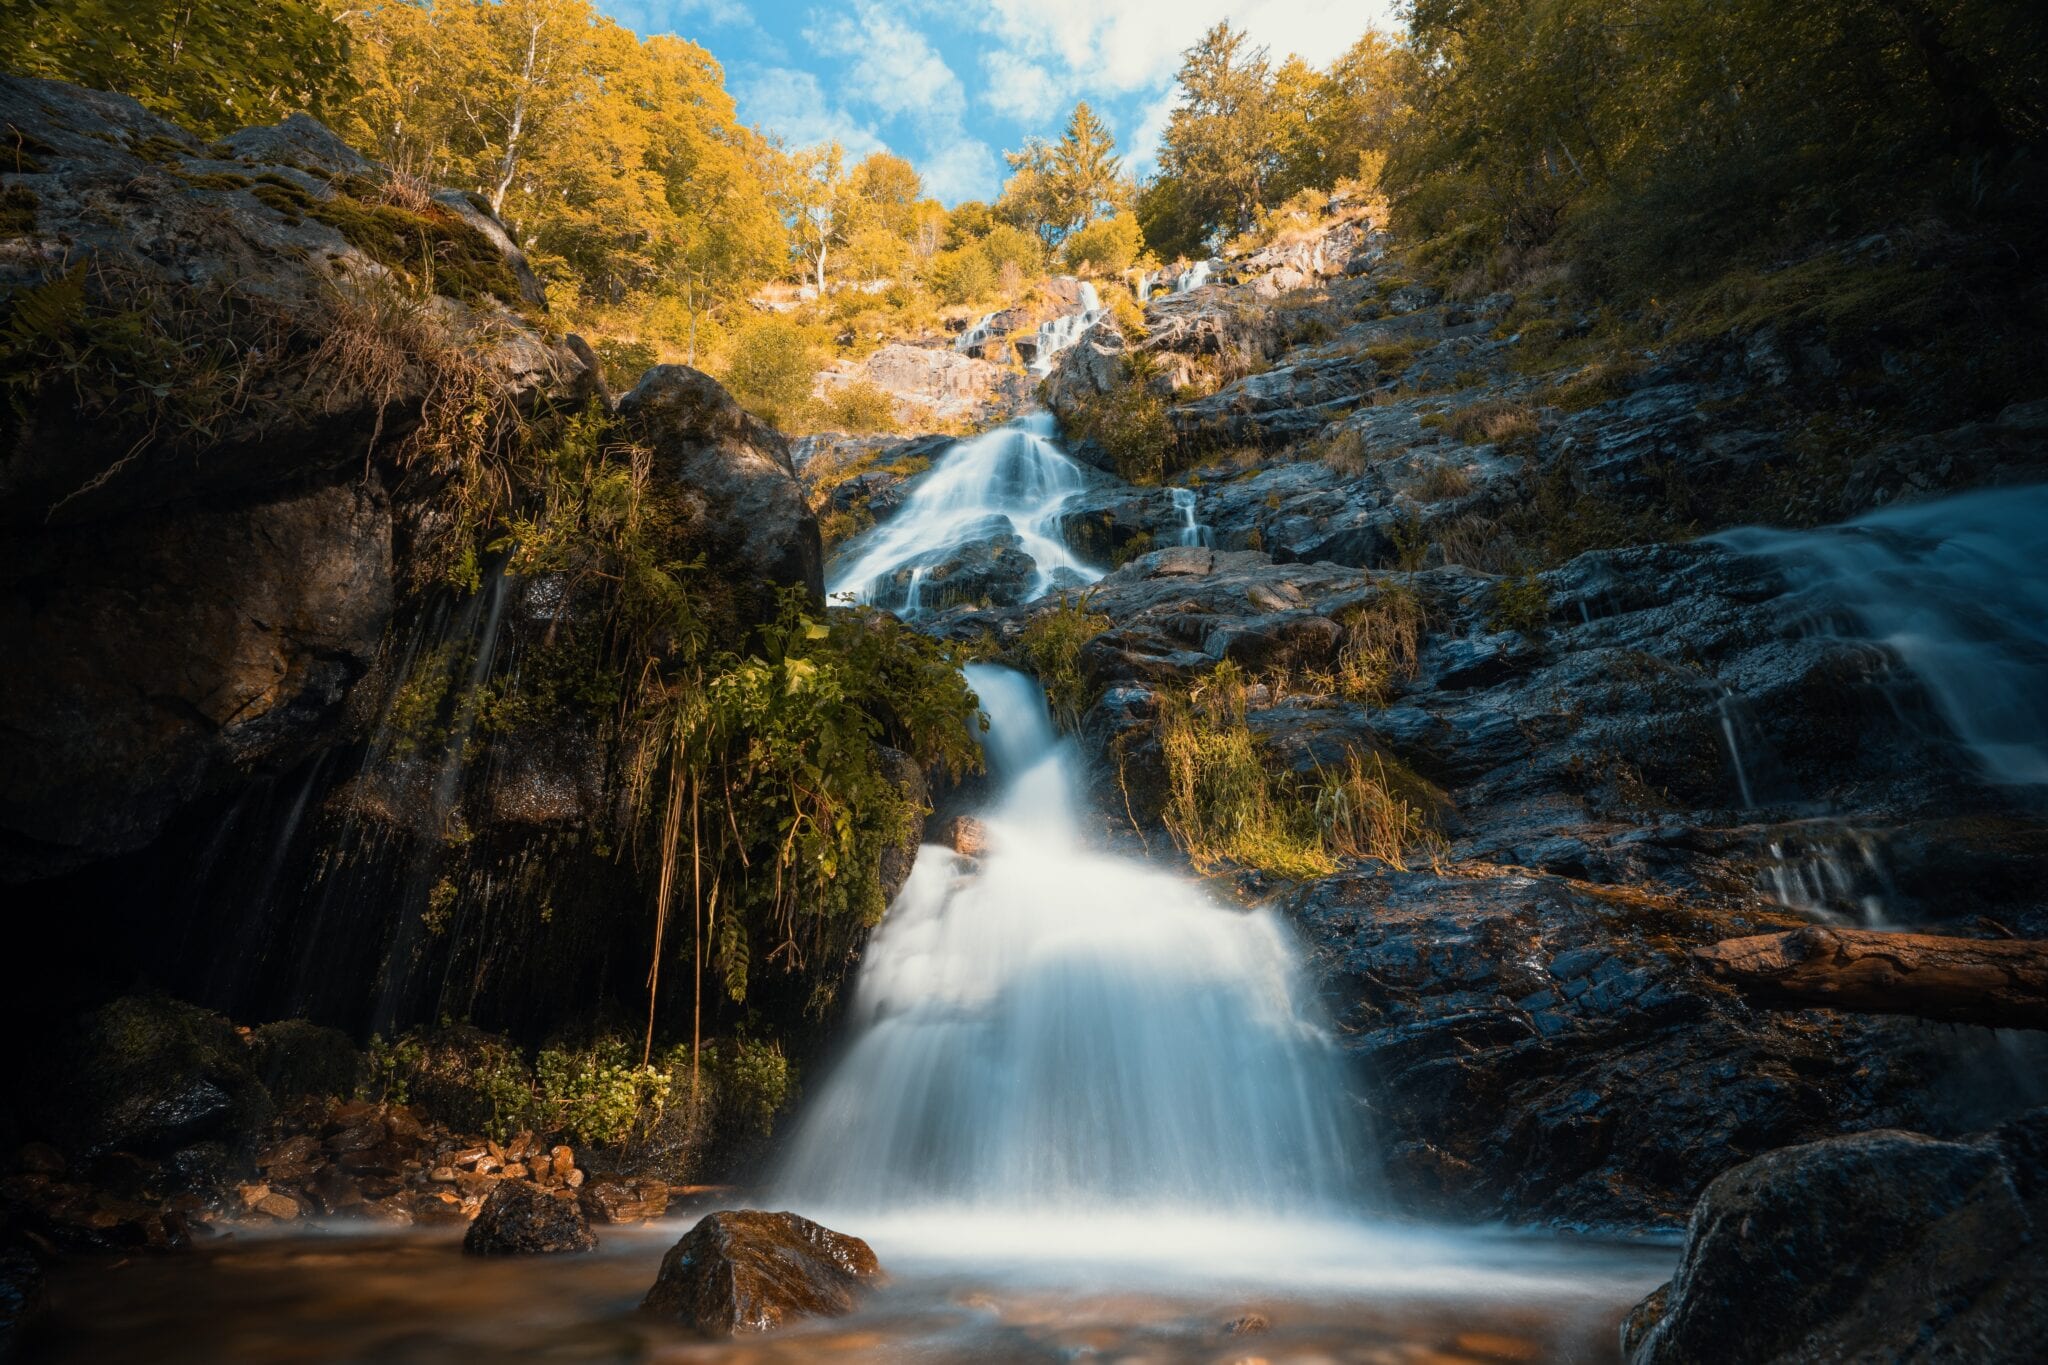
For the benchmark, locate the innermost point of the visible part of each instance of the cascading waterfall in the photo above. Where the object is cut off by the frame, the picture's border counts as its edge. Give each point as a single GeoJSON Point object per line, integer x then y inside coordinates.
{"type": "Point", "coordinates": [1062, 332]}
{"type": "Point", "coordinates": [1958, 590]}
{"type": "Point", "coordinates": [1065, 1029]}
{"type": "Point", "coordinates": [1193, 278]}
{"type": "Point", "coordinates": [1192, 532]}
{"type": "Point", "coordinates": [1013, 480]}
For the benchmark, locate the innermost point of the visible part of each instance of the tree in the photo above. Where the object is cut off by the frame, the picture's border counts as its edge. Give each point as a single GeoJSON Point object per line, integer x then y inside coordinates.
{"type": "Point", "coordinates": [772, 368]}
{"type": "Point", "coordinates": [209, 65]}
{"type": "Point", "coordinates": [1107, 246]}
{"type": "Point", "coordinates": [1060, 187]}
{"type": "Point", "coordinates": [817, 204]}
{"type": "Point", "coordinates": [1222, 140]}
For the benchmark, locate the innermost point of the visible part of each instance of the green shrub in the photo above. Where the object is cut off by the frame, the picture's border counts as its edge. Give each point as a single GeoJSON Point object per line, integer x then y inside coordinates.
{"type": "Point", "coordinates": [1519, 603]}
{"type": "Point", "coordinates": [772, 369]}
{"type": "Point", "coordinates": [1106, 246]}
{"type": "Point", "coordinates": [1051, 644]}
{"type": "Point", "coordinates": [859, 407]}
{"type": "Point", "coordinates": [756, 1084]}
{"type": "Point", "coordinates": [1130, 424]}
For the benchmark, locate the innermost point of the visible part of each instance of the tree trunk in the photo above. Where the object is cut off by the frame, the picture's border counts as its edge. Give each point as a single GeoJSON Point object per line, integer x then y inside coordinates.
{"type": "Point", "coordinates": [1974, 120]}
{"type": "Point", "coordinates": [2000, 983]}
{"type": "Point", "coordinates": [509, 167]}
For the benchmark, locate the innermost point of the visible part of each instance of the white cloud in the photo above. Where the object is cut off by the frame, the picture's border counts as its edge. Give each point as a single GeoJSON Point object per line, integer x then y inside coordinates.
{"type": "Point", "coordinates": [1129, 45]}
{"type": "Point", "coordinates": [891, 67]}
{"type": "Point", "coordinates": [792, 105]}
{"type": "Point", "coordinates": [962, 169]}
{"type": "Point", "coordinates": [1020, 88]}
{"type": "Point", "coordinates": [1141, 148]}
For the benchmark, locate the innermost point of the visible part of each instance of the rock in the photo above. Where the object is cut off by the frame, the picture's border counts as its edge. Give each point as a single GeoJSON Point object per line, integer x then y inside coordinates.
{"type": "Point", "coordinates": [1094, 365]}
{"type": "Point", "coordinates": [1247, 1324]}
{"type": "Point", "coordinates": [519, 1218]}
{"type": "Point", "coordinates": [277, 1204]}
{"type": "Point", "coordinates": [296, 1058]}
{"type": "Point", "coordinates": [209, 581]}
{"type": "Point", "coordinates": [39, 1158]}
{"type": "Point", "coordinates": [563, 1159]}
{"type": "Point", "coordinates": [930, 385]}
{"type": "Point", "coordinates": [21, 1299]}
{"type": "Point", "coordinates": [965, 835]}
{"type": "Point", "coordinates": [897, 861]}
{"type": "Point", "coordinates": [624, 1201]}
{"type": "Point", "coordinates": [748, 1271]}
{"type": "Point", "coordinates": [149, 1076]}
{"type": "Point", "coordinates": [1884, 1245]}
{"type": "Point", "coordinates": [735, 476]}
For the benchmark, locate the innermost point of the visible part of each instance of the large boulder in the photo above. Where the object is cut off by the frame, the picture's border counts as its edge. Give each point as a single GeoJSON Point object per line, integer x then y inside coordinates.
{"type": "Point", "coordinates": [234, 369]}
{"type": "Point", "coordinates": [932, 384]}
{"type": "Point", "coordinates": [735, 476]}
{"type": "Point", "coordinates": [520, 1218]}
{"type": "Point", "coordinates": [747, 1271]}
{"type": "Point", "coordinates": [1884, 1245]}
{"type": "Point", "coordinates": [149, 1076]}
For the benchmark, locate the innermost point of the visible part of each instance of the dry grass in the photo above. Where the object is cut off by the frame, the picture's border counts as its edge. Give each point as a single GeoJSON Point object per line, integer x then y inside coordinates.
{"type": "Point", "coordinates": [1344, 451]}
{"type": "Point", "coordinates": [1496, 421]}
{"type": "Point", "coordinates": [1382, 641]}
{"type": "Point", "coordinates": [1441, 483]}
{"type": "Point", "coordinates": [1363, 815]}
{"type": "Point", "coordinates": [1479, 542]}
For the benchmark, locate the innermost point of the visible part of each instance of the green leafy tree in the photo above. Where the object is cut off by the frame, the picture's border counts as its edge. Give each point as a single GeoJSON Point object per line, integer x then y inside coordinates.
{"type": "Point", "coordinates": [1057, 188]}
{"type": "Point", "coordinates": [1222, 142]}
{"type": "Point", "coordinates": [210, 65]}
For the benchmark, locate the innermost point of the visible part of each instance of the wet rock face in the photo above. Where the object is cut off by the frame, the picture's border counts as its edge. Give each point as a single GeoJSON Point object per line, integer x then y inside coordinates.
{"type": "Point", "coordinates": [735, 473]}
{"type": "Point", "coordinates": [173, 651]}
{"type": "Point", "coordinates": [1536, 1048]}
{"type": "Point", "coordinates": [748, 1271]}
{"type": "Point", "coordinates": [522, 1219]}
{"type": "Point", "coordinates": [200, 584]}
{"type": "Point", "coordinates": [932, 385]}
{"type": "Point", "coordinates": [1884, 1245]}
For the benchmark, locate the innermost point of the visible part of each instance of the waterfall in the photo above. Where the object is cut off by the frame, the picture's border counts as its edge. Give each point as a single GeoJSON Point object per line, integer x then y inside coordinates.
{"type": "Point", "coordinates": [1958, 590]}
{"type": "Point", "coordinates": [1011, 481]}
{"type": "Point", "coordinates": [1193, 278]}
{"type": "Point", "coordinates": [1062, 332]}
{"type": "Point", "coordinates": [1192, 532]}
{"type": "Point", "coordinates": [1058, 1030]}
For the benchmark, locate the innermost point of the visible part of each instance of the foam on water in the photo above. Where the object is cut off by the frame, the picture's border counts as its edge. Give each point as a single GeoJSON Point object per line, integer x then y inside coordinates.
{"type": "Point", "coordinates": [1013, 479]}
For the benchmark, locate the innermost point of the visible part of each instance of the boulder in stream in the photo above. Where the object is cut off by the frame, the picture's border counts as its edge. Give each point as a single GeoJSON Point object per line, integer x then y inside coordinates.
{"type": "Point", "coordinates": [520, 1218]}
{"type": "Point", "coordinates": [1884, 1245]}
{"type": "Point", "coordinates": [742, 1270]}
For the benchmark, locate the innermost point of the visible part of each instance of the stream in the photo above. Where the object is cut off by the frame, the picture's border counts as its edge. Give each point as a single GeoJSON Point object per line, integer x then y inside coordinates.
{"type": "Point", "coordinates": [1082, 1110]}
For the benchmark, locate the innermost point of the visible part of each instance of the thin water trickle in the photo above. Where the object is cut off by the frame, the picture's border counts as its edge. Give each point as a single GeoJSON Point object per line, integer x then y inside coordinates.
{"type": "Point", "coordinates": [1011, 481]}
{"type": "Point", "coordinates": [1192, 532]}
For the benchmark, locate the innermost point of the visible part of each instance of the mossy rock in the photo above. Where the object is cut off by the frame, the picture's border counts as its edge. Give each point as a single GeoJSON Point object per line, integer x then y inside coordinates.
{"type": "Point", "coordinates": [295, 1058]}
{"type": "Point", "coordinates": [18, 206]}
{"type": "Point", "coordinates": [149, 1075]}
{"type": "Point", "coordinates": [432, 246]}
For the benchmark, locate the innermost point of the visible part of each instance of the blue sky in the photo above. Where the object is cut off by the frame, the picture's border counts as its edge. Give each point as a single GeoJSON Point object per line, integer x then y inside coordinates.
{"type": "Point", "coordinates": [951, 86]}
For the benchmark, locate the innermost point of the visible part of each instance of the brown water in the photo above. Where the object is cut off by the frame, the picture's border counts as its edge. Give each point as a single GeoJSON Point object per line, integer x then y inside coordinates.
{"type": "Point", "coordinates": [414, 1297]}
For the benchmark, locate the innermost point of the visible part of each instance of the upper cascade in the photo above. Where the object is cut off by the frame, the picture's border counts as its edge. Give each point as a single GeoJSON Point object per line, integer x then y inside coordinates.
{"type": "Point", "coordinates": [1000, 494]}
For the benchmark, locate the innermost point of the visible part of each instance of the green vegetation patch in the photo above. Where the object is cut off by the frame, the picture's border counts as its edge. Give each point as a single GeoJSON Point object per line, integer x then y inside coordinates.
{"type": "Point", "coordinates": [432, 246]}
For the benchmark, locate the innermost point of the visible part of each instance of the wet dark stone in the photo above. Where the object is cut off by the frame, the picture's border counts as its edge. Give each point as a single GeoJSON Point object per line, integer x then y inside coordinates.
{"type": "Point", "coordinates": [1884, 1245]}
{"type": "Point", "coordinates": [748, 1271]}
{"type": "Point", "coordinates": [520, 1218]}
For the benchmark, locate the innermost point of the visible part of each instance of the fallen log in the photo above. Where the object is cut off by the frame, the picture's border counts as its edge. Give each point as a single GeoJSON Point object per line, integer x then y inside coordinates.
{"type": "Point", "coordinates": [2001, 983]}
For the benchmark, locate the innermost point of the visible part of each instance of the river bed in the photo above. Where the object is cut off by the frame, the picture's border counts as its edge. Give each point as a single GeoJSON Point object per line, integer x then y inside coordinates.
{"type": "Point", "coordinates": [1402, 1296]}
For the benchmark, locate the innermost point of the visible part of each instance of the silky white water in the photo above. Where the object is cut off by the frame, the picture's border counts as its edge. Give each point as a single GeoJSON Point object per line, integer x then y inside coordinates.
{"type": "Point", "coordinates": [1014, 479]}
{"type": "Point", "coordinates": [1064, 1029]}
{"type": "Point", "coordinates": [1192, 531]}
{"type": "Point", "coordinates": [1958, 589]}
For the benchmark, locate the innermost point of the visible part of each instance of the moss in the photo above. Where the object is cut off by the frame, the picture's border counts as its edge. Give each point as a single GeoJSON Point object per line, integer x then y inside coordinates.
{"type": "Point", "coordinates": [159, 150]}
{"type": "Point", "coordinates": [18, 205]}
{"type": "Point", "coordinates": [433, 247]}
{"type": "Point", "coordinates": [296, 1058]}
{"type": "Point", "coordinates": [148, 1075]}
{"type": "Point", "coordinates": [1520, 603]}
{"type": "Point", "coordinates": [22, 153]}
{"type": "Point", "coordinates": [1600, 382]}
{"type": "Point", "coordinates": [215, 180]}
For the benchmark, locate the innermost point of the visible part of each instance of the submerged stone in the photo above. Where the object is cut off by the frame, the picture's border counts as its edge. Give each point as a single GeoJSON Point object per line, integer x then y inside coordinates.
{"type": "Point", "coordinates": [521, 1219]}
{"type": "Point", "coordinates": [742, 1270]}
